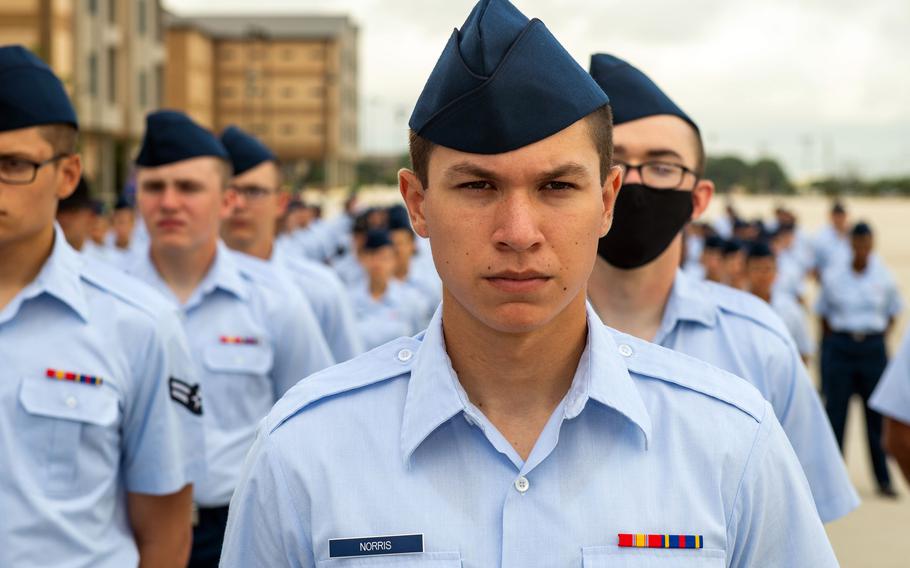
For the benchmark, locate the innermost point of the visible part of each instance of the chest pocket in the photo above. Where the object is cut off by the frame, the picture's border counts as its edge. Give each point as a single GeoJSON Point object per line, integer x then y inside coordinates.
{"type": "Point", "coordinates": [616, 557]}
{"type": "Point", "coordinates": [62, 418]}
{"type": "Point", "coordinates": [238, 358]}
{"type": "Point", "coordinates": [415, 560]}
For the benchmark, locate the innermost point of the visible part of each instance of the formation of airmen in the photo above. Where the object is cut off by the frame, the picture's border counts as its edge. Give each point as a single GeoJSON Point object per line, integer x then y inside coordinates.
{"type": "Point", "coordinates": [538, 359]}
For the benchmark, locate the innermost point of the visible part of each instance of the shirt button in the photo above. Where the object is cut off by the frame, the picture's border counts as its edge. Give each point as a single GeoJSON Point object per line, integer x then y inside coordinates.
{"type": "Point", "coordinates": [625, 350]}
{"type": "Point", "coordinates": [72, 402]}
{"type": "Point", "coordinates": [522, 484]}
{"type": "Point", "coordinates": [405, 355]}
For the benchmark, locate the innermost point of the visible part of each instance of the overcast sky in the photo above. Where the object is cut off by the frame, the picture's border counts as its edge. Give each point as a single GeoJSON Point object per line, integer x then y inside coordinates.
{"type": "Point", "coordinates": [823, 85]}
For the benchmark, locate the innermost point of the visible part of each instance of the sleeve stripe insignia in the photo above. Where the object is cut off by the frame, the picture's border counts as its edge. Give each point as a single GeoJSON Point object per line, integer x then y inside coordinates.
{"type": "Point", "coordinates": [73, 377]}
{"type": "Point", "coordinates": [186, 395]}
{"type": "Point", "coordinates": [694, 541]}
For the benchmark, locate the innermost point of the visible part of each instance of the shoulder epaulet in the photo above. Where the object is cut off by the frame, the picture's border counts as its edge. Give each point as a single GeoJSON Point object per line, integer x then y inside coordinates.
{"type": "Point", "coordinates": [381, 364]}
{"type": "Point", "coordinates": [129, 289]}
{"type": "Point", "coordinates": [747, 306]}
{"type": "Point", "coordinates": [261, 273]}
{"type": "Point", "coordinates": [656, 362]}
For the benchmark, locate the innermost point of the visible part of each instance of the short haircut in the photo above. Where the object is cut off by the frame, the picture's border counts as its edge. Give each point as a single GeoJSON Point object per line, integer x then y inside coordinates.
{"type": "Point", "coordinates": [600, 126]}
{"type": "Point", "coordinates": [61, 137]}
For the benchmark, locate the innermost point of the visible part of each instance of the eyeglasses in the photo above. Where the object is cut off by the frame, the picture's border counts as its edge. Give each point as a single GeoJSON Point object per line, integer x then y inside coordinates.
{"type": "Point", "coordinates": [251, 192]}
{"type": "Point", "coordinates": [659, 175]}
{"type": "Point", "coordinates": [21, 171]}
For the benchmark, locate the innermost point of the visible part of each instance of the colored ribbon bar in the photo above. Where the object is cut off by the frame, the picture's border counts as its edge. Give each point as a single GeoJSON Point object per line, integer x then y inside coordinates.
{"type": "Point", "coordinates": [73, 377]}
{"type": "Point", "coordinates": [628, 540]}
{"type": "Point", "coordinates": [236, 340]}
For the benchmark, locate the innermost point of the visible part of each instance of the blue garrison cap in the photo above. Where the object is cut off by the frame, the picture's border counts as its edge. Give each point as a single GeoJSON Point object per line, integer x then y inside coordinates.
{"type": "Point", "coordinates": [246, 151]}
{"type": "Point", "coordinates": [633, 94]}
{"type": "Point", "coordinates": [30, 93]}
{"type": "Point", "coordinates": [171, 136]}
{"type": "Point", "coordinates": [502, 82]}
{"type": "Point", "coordinates": [861, 229]}
{"type": "Point", "coordinates": [760, 249]}
{"type": "Point", "coordinates": [376, 239]}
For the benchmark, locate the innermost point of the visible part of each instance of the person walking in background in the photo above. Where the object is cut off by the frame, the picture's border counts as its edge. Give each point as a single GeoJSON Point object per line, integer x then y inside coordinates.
{"type": "Point", "coordinates": [857, 306]}
{"type": "Point", "coordinates": [831, 245]}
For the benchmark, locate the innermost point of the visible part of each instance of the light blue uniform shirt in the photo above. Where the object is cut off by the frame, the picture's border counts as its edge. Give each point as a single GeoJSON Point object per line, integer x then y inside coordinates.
{"type": "Point", "coordinates": [892, 395]}
{"type": "Point", "coordinates": [389, 444]}
{"type": "Point", "coordinates": [794, 317]}
{"type": "Point", "coordinates": [251, 342]}
{"type": "Point", "coordinates": [69, 450]}
{"type": "Point", "coordinates": [331, 304]}
{"type": "Point", "coordinates": [740, 333]}
{"type": "Point", "coordinates": [399, 312]}
{"type": "Point", "coordinates": [830, 249]}
{"type": "Point", "coordinates": [859, 302]}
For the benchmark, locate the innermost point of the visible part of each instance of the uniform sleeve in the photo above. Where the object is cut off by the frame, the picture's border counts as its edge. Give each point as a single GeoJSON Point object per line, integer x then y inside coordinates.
{"type": "Point", "coordinates": [805, 423]}
{"type": "Point", "coordinates": [340, 325]}
{"type": "Point", "coordinates": [300, 347]}
{"type": "Point", "coordinates": [892, 395]}
{"type": "Point", "coordinates": [163, 438]}
{"type": "Point", "coordinates": [894, 305]}
{"type": "Point", "coordinates": [266, 527]}
{"type": "Point", "coordinates": [773, 520]}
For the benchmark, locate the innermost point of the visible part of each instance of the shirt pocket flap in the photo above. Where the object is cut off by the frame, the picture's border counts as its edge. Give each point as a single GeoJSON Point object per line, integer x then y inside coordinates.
{"type": "Point", "coordinates": [626, 557]}
{"type": "Point", "coordinates": [238, 358]}
{"type": "Point", "coordinates": [92, 404]}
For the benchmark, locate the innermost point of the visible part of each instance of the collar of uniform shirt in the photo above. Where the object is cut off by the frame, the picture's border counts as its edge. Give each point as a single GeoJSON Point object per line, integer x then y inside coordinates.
{"type": "Point", "coordinates": [61, 276]}
{"type": "Point", "coordinates": [688, 302]}
{"type": "Point", "coordinates": [434, 395]}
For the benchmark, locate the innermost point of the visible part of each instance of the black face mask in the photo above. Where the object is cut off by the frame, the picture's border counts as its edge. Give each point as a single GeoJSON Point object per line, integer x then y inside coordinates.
{"type": "Point", "coordinates": [645, 222]}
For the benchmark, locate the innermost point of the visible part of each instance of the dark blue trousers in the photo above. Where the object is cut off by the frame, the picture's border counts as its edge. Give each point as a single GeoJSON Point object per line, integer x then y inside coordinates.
{"type": "Point", "coordinates": [208, 537]}
{"type": "Point", "coordinates": [853, 366]}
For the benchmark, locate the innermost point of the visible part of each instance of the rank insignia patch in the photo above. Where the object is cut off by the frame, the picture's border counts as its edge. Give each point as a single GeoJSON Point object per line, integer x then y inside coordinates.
{"type": "Point", "coordinates": [73, 377]}
{"type": "Point", "coordinates": [627, 540]}
{"type": "Point", "coordinates": [186, 395]}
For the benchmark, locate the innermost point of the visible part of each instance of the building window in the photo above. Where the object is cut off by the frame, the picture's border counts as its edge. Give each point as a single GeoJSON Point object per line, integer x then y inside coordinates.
{"type": "Point", "coordinates": [112, 11]}
{"type": "Point", "coordinates": [287, 54]}
{"type": "Point", "coordinates": [111, 75]}
{"type": "Point", "coordinates": [142, 24]}
{"type": "Point", "coordinates": [93, 7]}
{"type": "Point", "coordinates": [260, 128]}
{"type": "Point", "coordinates": [227, 54]}
{"type": "Point", "coordinates": [227, 92]}
{"type": "Point", "coordinates": [287, 128]}
{"type": "Point", "coordinates": [143, 89]}
{"type": "Point", "coordinates": [93, 75]}
{"type": "Point", "coordinates": [287, 92]}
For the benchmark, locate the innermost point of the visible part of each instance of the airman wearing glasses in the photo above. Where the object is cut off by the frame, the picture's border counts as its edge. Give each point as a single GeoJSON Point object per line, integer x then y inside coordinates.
{"type": "Point", "coordinates": [638, 287]}
{"type": "Point", "coordinates": [98, 452]}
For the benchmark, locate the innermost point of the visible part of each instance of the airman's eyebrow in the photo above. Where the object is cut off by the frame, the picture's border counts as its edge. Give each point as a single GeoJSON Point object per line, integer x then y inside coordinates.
{"type": "Point", "coordinates": [652, 153]}
{"type": "Point", "coordinates": [569, 169]}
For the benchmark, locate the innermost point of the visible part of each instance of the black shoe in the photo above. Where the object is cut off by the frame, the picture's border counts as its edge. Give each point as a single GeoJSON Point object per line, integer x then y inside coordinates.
{"type": "Point", "coordinates": [888, 492]}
